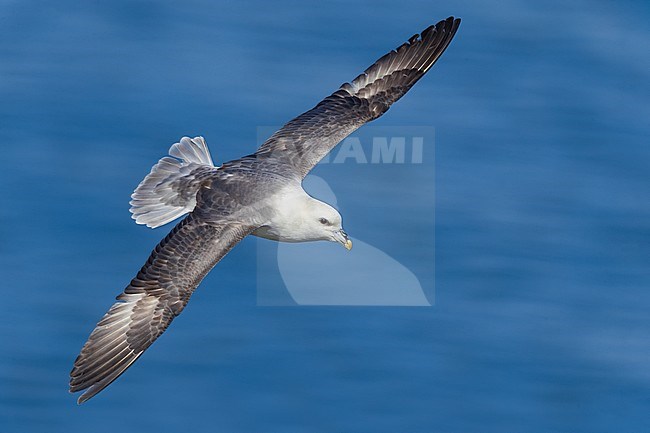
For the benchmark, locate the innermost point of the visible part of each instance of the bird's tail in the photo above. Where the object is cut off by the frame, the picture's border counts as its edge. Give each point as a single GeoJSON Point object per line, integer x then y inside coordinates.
{"type": "Point", "coordinates": [169, 190]}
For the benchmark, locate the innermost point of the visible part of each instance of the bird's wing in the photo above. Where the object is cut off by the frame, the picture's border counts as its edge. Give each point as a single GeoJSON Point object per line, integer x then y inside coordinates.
{"type": "Point", "coordinates": [305, 140]}
{"type": "Point", "coordinates": [152, 300]}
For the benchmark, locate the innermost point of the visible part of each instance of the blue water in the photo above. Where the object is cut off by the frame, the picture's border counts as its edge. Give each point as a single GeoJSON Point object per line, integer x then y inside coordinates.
{"type": "Point", "coordinates": [540, 321]}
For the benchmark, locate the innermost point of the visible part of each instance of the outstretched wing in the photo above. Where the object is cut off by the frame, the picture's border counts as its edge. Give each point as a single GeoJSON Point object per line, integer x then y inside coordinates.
{"type": "Point", "coordinates": [151, 301]}
{"type": "Point", "coordinates": [305, 140]}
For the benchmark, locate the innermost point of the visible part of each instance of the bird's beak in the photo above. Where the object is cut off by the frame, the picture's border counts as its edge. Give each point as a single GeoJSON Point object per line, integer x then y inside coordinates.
{"type": "Point", "coordinates": [343, 239]}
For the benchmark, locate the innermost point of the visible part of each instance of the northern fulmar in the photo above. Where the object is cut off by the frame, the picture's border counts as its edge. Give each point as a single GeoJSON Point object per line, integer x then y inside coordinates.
{"type": "Point", "coordinates": [260, 194]}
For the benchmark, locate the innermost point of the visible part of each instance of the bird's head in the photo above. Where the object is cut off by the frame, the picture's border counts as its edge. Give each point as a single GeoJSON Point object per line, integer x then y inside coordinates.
{"type": "Point", "coordinates": [323, 222]}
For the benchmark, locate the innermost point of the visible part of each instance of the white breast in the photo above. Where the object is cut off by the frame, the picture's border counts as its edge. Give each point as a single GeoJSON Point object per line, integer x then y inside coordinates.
{"type": "Point", "coordinates": [287, 212]}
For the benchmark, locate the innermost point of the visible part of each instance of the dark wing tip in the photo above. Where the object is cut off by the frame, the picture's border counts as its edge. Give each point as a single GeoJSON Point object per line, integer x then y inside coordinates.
{"type": "Point", "coordinates": [450, 24]}
{"type": "Point", "coordinates": [419, 54]}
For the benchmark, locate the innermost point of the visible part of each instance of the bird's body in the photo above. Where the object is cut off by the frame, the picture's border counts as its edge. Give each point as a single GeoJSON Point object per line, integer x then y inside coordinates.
{"type": "Point", "coordinates": [260, 194]}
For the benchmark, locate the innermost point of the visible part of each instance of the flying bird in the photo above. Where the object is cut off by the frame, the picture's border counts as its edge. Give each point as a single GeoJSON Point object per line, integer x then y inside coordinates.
{"type": "Point", "coordinates": [260, 194]}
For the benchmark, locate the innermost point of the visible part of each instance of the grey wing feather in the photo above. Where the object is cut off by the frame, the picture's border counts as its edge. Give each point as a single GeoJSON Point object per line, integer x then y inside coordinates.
{"type": "Point", "coordinates": [151, 301]}
{"type": "Point", "coordinates": [305, 140]}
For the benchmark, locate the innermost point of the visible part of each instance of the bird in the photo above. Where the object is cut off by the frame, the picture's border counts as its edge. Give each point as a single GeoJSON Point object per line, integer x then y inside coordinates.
{"type": "Point", "coordinates": [260, 194]}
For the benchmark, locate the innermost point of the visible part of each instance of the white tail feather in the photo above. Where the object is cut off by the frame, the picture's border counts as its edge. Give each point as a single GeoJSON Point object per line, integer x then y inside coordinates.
{"type": "Point", "coordinates": [169, 190]}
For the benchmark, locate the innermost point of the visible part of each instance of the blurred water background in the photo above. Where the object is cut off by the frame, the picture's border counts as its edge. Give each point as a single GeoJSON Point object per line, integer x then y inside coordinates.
{"type": "Point", "coordinates": [540, 321]}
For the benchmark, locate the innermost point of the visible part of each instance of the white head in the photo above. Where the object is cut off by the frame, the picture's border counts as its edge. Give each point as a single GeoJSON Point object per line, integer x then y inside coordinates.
{"type": "Point", "coordinates": [321, 221]}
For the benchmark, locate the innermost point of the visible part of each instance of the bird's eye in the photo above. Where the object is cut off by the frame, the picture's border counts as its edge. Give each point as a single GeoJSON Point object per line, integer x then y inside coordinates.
{"type": "Point", "coordinates": [324, 221]}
